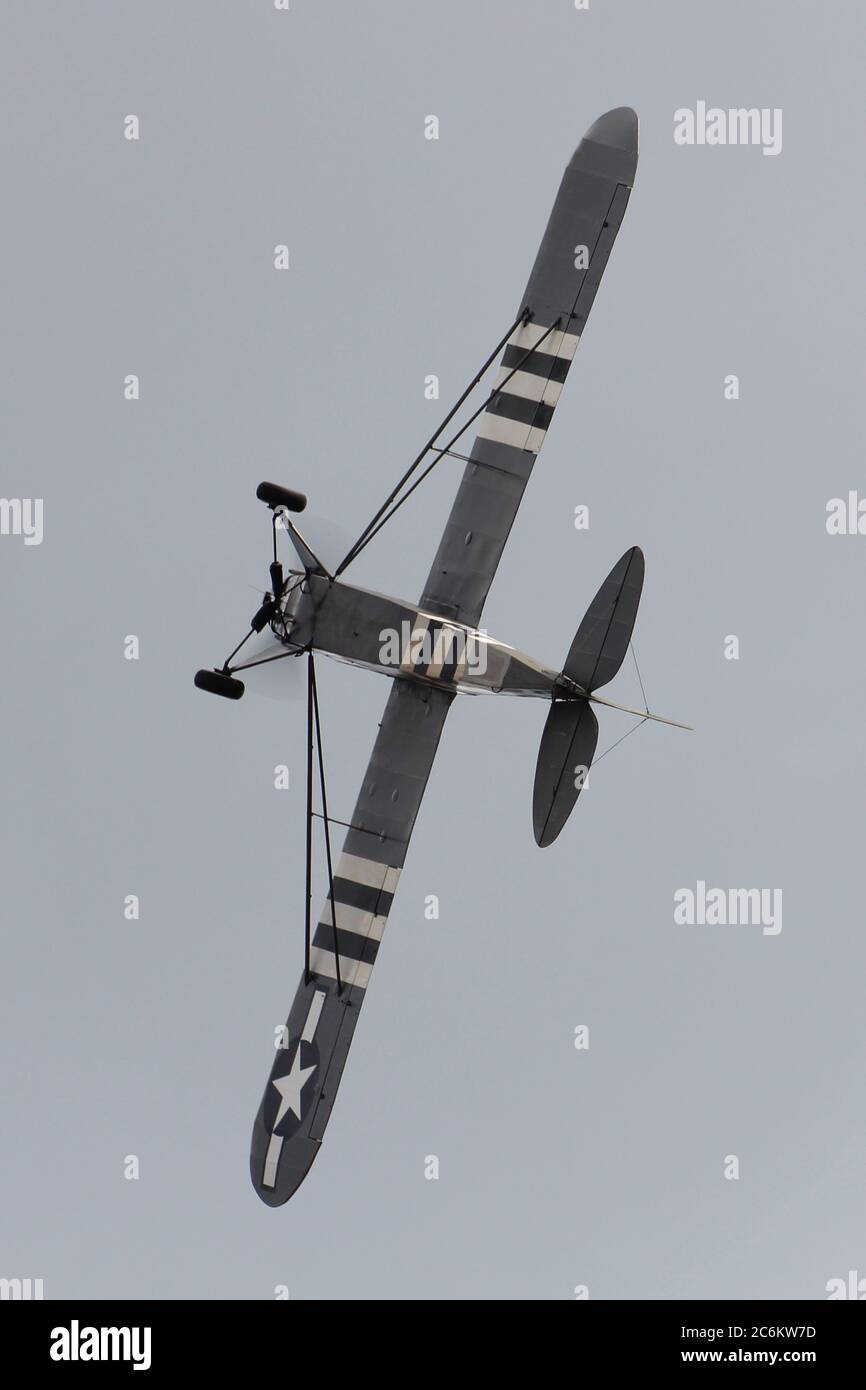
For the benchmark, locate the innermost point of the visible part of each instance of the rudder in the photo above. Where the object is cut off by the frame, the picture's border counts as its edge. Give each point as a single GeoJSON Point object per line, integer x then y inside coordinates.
{"type": "Point", "coordinates": [567, 749]}
{"type": "Point", "coordinates": [601, 643]}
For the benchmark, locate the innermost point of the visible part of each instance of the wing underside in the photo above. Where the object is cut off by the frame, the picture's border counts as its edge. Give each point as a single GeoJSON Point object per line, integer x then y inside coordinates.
{"type": "Point", "coordinates": [313, 1047]}
{"type": "Point", "coordinates": [581, 231]}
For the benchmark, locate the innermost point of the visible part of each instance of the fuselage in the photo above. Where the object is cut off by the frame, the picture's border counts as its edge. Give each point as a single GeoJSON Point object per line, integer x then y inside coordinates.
{"type": "Point", "coordinates": [401, 640]}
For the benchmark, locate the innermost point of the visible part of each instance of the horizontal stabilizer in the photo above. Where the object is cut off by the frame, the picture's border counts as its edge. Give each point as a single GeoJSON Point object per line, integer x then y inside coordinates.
{"type": "Point", "coordinates": [567, 750]}
{"type": "Point", "coordinates": [600, 646]}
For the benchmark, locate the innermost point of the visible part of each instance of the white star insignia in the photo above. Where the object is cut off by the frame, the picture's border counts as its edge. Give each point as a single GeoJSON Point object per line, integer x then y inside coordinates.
{"type": "Point", "coordinates": [290, 1087]}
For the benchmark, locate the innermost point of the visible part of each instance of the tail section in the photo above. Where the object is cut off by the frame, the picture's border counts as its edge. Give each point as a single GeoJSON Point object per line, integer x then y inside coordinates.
{"type": "Point", "coordinates": [571, 733]}
{"type": "Point", "coordinates": [567, 750]}
{"type": "Point", "coordinates": [600, 646]}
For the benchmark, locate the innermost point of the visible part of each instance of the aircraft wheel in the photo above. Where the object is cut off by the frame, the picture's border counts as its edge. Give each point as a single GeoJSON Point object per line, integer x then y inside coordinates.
{"type": "Point", "coordinates": [218, 683]}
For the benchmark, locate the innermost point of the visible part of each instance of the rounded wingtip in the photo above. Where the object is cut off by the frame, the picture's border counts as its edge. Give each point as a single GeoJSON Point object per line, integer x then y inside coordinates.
{"type": "Point", "coordinates": [617, 130]}
{"type": "Point", "coordinates": [543, 837]}
{"type": "Point", "coordinates": [618, 127]}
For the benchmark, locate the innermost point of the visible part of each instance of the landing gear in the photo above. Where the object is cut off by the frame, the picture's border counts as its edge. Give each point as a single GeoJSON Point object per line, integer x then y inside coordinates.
{"type": "Point", "coordinates": [274, 609]}
{"type": "Point", "coordinates": [275, 496]}
{"type": "Point", "coordinates": [219, 683]}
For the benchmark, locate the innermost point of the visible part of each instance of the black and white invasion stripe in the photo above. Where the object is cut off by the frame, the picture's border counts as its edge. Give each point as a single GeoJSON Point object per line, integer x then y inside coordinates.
{"type": "Point", "coordinates": [363, 892]}
{"type": "Point", "coordinates": [519, 414]}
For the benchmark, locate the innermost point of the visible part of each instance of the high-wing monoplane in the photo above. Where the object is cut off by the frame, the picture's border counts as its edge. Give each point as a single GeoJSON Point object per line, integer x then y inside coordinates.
{"type": "Point", "coordinates": [434, 649]}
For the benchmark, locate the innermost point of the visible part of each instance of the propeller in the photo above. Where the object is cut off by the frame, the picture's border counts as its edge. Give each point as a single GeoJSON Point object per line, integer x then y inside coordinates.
{"type": "Point", "coordinates": [268, 668]}
{"type": "Point", "coordinates": [327, 540]}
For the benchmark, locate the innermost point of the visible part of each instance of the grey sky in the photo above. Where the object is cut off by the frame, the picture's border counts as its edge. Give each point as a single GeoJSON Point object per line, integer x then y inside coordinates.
{"type": "Point", "coordinates": [154, 1037]}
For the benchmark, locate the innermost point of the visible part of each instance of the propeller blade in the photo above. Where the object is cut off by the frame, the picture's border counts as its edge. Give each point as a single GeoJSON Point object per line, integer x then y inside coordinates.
{"type": "Point", "coordinates": [268, 667]}
{"type": "Point", "coordinates": [326, 538]}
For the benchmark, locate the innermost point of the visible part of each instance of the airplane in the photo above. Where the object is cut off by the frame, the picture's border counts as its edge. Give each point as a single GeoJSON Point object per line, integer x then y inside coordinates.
{"type": "Point", "coordinates": [434, 649]}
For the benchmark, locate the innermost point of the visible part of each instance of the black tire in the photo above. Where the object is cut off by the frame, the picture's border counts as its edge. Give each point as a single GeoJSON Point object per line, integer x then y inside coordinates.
{"type": "Point", "coordinates": [217, 683]}
{"type": "Point", "coordinates": [275, 496]}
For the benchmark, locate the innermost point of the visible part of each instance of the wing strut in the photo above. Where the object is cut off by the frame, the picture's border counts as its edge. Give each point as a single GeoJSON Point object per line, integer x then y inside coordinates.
{"type": "Point", "coordinates": [314, 743]}
{"type": "Point", "coordinates": [387, 510]}
{"type": "Point", "coordinates": [522, 317]}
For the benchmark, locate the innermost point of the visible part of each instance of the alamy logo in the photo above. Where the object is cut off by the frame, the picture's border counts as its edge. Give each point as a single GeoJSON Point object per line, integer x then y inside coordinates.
{"type": "Point", "coordinates": [23, 1289]}
{"type": "Point", "coordinates": [76, 1343]}
{"type": "Point", "coordinates": [709, 907]}
{"type": "Point", "coordinates": [712, 125]}
{"type": "Point", "coordinates": [433, 649]}
{"type": "Point", "coordinates": [854, 1287]}
{"type": "Point", "coordinates": [846, 517]}
{"type": "Point", "coordinates": [22, 516]}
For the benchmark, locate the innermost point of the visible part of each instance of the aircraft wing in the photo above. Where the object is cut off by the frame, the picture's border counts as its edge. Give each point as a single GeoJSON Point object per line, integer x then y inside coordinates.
{"type": "Point", "coordinates": [309, 1061]}
{"type": "Point", "coordinates": [587, 213]}
{"type": "Point", "coordinates": [306, 1072]}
